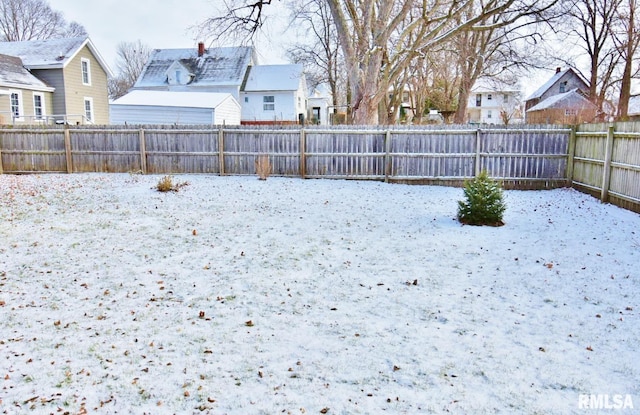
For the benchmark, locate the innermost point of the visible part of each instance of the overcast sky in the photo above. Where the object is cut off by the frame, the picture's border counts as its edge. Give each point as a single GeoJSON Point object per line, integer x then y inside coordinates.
{"type": "Point", "coordinates": [162, 24]}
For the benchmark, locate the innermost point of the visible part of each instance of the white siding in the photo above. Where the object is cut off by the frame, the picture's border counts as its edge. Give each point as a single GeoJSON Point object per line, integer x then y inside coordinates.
{"type": "Point", "coordinates": [137, 114]}
{"type": "Point", "coordinates": [227, 113]}
{"type": "Point", "coordinates": [285, 106]}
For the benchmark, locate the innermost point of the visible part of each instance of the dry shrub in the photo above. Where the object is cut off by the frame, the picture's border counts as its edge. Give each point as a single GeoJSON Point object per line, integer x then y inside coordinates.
{"type": "Point", "coordinates": [263, 167]}
{"type": "Point", "coordinates": [166, 185]}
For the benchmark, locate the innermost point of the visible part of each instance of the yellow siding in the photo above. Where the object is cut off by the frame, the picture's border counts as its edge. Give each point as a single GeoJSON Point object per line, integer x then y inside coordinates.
{"type": "Point", "coordinates": [76, 91]}
{"type": "Point", "coordinates": [28, 111]}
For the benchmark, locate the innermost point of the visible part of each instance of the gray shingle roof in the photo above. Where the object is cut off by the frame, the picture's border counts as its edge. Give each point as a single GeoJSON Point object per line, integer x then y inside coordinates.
{"type": "Point", "coordinates": [14, 74]}
{"type": "Point", "coordinates": [217, 67]}
{"type": "Point", "coordinates": [569, 99]}
{"type": "Point", "coordinates": [50, 53]}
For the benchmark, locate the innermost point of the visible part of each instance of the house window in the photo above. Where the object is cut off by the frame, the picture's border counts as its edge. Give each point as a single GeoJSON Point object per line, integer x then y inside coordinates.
{"type": "Point", "coordinates": [570, 112]}
{"type": "Point", "coordinates": [563, 87]}
{"type": "Point", "coordinates": [489, 114]}
{"type": "Point", "coordinates": [505, 97]}
{"type": "Point", "coordinates": [88, 109]}
{"type": "Point", "coordinates": [16, 105]}
{"type": "Point", "coordinates": [246, 99]}
{"type": "Point", "coordinates": [86, 71]}
{"type": "Point", "coordinates": [38, 106]}
{"type": "Point", "coordinates": [478, 100]}
{"type": "Point", "coordinates": [489, 97]}
{"type": "Point", "coordinates": [269, 103]}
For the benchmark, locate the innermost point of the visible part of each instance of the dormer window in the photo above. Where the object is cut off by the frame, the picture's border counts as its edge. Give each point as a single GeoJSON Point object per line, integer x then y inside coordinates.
{"type": "Point", "coordinates": [563, 87]}
{"type": "Point", "coordinates": [178, 74]}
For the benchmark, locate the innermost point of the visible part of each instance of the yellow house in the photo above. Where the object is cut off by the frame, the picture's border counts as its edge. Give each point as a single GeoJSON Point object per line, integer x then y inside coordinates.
{"type": "Point", "coordinates": [74, 73]}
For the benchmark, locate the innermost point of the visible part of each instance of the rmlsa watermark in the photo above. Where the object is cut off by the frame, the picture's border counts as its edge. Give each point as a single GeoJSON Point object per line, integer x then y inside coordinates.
{"type": "Point", "coordinates": [605, 401]}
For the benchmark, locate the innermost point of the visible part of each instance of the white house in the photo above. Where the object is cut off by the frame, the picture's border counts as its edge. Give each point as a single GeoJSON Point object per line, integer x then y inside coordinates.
{"type": "Point", "coordinates": [318, 103]}
{"type": "Point", "coordinates": [491, 101]}
{"type": "Point", "coordinates": [175, 107]}
{"type": "Point", "coordinates": [274, 94]}
{"type": "Point", "coordinates": [197, 70]}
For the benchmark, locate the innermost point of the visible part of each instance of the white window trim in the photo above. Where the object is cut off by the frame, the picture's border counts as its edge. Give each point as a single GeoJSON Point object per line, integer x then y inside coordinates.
{"type": "Point", "coordinates": [43, 107]}
{"type": "Point", "coordinates": [88, 62]}
{"type": "Point", "coordinates": [20, 116]}
{"type": "Point", "coordinates": [268, 103]}
{"type": "Point", "coordinates": [90, 119]}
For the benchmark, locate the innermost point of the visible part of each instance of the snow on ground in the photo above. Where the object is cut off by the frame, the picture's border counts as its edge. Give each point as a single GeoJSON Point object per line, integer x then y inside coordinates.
{"type": "Point", "coordinates": [240, 296]}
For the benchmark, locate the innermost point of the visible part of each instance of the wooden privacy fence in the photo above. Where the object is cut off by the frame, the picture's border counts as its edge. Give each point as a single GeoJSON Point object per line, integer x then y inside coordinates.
{"type": "Point", "coordinates": [601, 159]}
{"type": "Point", "coordinates": [605, 162]}
{"type": "Point", "coordinates": [532, 157]}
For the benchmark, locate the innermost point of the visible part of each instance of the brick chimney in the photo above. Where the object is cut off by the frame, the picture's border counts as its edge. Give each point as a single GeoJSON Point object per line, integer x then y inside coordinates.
{"type": "Point", "coordinates": [200, 48]}
{"type": "Point", "coordinates": [558, 69]}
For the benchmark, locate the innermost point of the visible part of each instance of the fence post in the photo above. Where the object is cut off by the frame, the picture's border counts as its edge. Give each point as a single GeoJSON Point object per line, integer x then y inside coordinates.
{"type": "Point", "coordinates": [303, 151]}
{"type": "Point", "coordinates": [571, 152]}
{"type": "Point", "coordinates": [67, 148]}
{"type": "Point", "coordinates": [387, 156]}
{"type": "Point", "coordinates": [606, 173]}
{"type": "Point", "coordinates": [478, 143]}
{"type": "Point", "coordinates": [221, 149]}
{"type": "Point", "coordinates": [143, 152]}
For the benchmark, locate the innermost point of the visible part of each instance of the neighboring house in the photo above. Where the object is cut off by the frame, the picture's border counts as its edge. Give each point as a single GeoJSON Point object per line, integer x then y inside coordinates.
{"type": "Point", "coordinates": [274, 94]}
{"type": "Point", "coordinates": [493, 102]}
{"type": "Point", "coordinates": [23, 97]}
{"type": "Point", "coordinates": [173, 107]}
{"type": "Point", "coordinates": [570, 107]}
{"type": "Point", "coordinates": [197, 70]}
{"type": "Point", "coordinates": [634, 108]}
{"type": "Point", "coordinates": [318, 104]}
{"type": "Point", "coordinates": [74, 70]}
{"type": "Point", "coordinates": [561, 82]}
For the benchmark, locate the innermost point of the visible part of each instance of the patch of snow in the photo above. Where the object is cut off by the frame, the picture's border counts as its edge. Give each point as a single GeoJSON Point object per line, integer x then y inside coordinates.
{"type": "Point", "coordinates": [235, 295]}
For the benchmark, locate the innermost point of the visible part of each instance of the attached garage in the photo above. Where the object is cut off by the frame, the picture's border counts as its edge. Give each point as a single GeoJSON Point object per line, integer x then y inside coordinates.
{"type": "Point", "coordinates": [140, 107]}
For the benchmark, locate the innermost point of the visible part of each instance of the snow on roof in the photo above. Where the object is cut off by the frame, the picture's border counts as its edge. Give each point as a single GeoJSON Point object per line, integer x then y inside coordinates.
{"type": "Point", "coordinates": [274, 78]}
{"type": "Point", "coordinates": [493, 85]}
{"type": "Point", "coordinates": [173, 99]}
{"type": "Point", "coordinates": [50, 53]}
{"type": "Point", "coordinates": [14, 74]}
{"type": "Point", "coordinates": [545, 87]}
{"type": "Point", "coordinates": [563, 100]}
{"type": "Point", "coordinates": [218, 66]}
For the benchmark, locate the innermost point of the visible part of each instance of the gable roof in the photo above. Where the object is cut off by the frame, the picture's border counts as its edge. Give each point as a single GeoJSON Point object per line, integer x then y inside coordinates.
{"type": "Point", "coordinates": [569, 99]}
{"type": "Point", "coordinates": [174, 99]}
{"type": "Point", "coordinates": [555, 78]}
{"type": "Point", "coordinates": [13, 74]}
{"type": "Point", "coordinates": [224, 66]}
{"type": "Point", "coordinates": [274, 78]}
{"type": "Point", "coordinates": [51, 53]}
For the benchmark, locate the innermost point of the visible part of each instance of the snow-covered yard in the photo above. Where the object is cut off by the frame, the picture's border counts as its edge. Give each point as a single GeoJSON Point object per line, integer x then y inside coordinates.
{"type": "Point", "coordinates": [240, 296]}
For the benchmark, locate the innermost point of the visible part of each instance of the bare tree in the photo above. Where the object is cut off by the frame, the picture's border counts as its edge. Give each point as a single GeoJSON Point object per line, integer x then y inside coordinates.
{"type": "Point", "coordinates": [320, 54]}
{"type": "Point", "coordinates": [591, 24]}
{"type": "Point", "coordinates": [34, 20]}
{"type": "Point", "coordinates": [626, 35]}
{"type": "Point", "coordinates": [377, 44]}
{"type": "Point", "coordinates": [130, 61]}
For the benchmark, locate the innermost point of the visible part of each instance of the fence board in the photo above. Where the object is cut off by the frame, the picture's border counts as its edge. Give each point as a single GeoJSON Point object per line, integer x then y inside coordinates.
{"type": "Point", "coordinates": [520, 156]}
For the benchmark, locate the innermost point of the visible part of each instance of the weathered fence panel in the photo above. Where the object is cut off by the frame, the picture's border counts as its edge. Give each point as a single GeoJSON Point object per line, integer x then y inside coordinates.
{"type": "Point", "coordinates": [181, 151]}
{"type": "Point", "coordinates": [242, 147]}
{"type": "Point", "coordinates": [33, 150]}
{"type": "Point", "coordinates": [104, 150]}
{"type": "Point", "coordinates": [607, 163]}
{"type": "Point", "coordinates": [601, 159]}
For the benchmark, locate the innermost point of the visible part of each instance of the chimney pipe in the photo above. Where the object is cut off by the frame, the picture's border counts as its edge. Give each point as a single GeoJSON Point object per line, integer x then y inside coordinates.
{"type": "Point", "coordinates": [558, 69]}
{"type": "Point", "coordinates": [200, 48]}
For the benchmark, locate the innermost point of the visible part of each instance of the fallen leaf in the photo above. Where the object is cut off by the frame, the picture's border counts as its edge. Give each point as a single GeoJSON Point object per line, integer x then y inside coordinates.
{"type": "Point", "coordinates": [248, 323]}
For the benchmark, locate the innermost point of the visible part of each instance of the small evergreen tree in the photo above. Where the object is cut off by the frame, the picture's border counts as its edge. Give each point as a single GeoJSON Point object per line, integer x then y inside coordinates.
{"type": "Point", "coordinates": [484, 204]}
